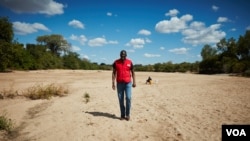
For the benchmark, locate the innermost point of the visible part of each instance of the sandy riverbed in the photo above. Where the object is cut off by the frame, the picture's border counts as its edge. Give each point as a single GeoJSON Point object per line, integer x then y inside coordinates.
{"type": "Point", "coordinates": [177, 107]}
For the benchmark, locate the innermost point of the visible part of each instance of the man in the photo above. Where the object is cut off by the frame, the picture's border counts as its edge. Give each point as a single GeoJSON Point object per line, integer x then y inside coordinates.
{"type": "Point", "coordinates": [122, 72]}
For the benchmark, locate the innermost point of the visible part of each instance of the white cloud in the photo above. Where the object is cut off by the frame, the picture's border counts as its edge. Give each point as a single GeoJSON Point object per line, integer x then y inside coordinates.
{"type": "Point", "coordinates": [144, 32]}
{"type": "Point", "coordinates": [151, 55]}
{"type": "Point", "coordinates": [131, 50]}
{"type": "Point", "coordinates": [76, 24]}
{"type": "Point", "coordinates": [222, 19]}
{"type": "Point", "coordinates": [76, 48]}
{"type": "Point", "coordinates": [198, 33]}
{"type": "Point", "coordinates": [195, 33]}
{"type": "Point", "coordinates": [175, 24]}
{"type": "Point", "coordinates": [73, 37]}
{"type": "Point", "coordinates": [100, 41]}
{"type": "Point", "coordinates": [22, 28]}
{"type": "Point", "coordinates": [97, 42]}
{"type": "Point", "coordinates": [136, 43]}
{"type": "Point", "coordinates": [48, 7]}
{"type": "Point", "coordinates": [233, 29]}
{"type": "Point", "coordinates": [162, 48]}
{"type": "Point", "coordinates": [147, 40]}
{"type": "Point", "coordinates": [179, 50]}
{"type": "Point", "coordinates": [113, 42]}
{"type": "Point", "coordinates": [109, 14]}
{"type": "Point", "coordinates": [81, 39]}
{"type": "Point", "coordinates": [84, 56]}
{"type": "Point", "coordinates": [172, 13]}
{"type": "Point", "coordinates": [215, 8]}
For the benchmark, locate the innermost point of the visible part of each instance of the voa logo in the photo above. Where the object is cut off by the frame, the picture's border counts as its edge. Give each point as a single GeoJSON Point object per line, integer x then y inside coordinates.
{"type": "Point", "coordinates": [236, 132]}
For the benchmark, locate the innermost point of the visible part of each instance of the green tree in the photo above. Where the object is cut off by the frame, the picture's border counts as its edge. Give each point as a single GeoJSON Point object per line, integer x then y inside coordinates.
{"type": "Point", "coordinates": [51, 61]}
{"type": "Point", "coordinates": [43, 59]}
{"type": "Point", "coordinates": [37, 53]}
{"type": "Point", "coordinates": [228, 48]}
{"type": "Point", "coordinates": [5, 55]}
{"type": "Point", "coordinates": [210, 66]}
{"type": "Point", "coordinates": [184, 67]}
{"type": "Point", "coordinates": [6, 37]}
{"type": "Point", "coordinates": [20, 59]}
{"type": "Point", "coordinates": [71, 61]}
{"type": "Point", "coordinates": [243, 50]}
{"type": "Point", "coordinates": [55, 43]}
{"type": "Point", "coordinates": [208, 52]}
{"type": "Point", "coordinates": [139, 67]}
{"type": "Point", "coordinates": [195, 67]}
{"type": "Point", "coordinates": [210, 63]}
{"type": "Point", "coordinates": [169, 67]}
{"type": "Point", "coordinates": [158, 67]}
{"type": "Point", "coordinates": [228, 54]}
{"type": "Point", "coordinates": [6, 31]}
{"type": "Point", "coordinates": [14, 56]}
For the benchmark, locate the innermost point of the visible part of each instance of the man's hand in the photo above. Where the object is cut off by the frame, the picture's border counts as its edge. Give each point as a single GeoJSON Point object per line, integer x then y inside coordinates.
{"type": "Point", "coordinates": [134, 85]}
{"type": "Point", "coordinates": [113, 86]}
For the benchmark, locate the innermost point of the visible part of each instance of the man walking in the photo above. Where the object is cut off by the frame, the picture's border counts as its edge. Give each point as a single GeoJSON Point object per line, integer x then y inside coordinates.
{"type": "Point", "coordinates": [122, 72]}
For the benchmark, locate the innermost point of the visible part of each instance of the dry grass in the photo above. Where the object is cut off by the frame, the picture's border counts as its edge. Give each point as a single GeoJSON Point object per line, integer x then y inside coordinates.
{"type": "Point", "coordinates": [8, 93]}
{"type": "Point", "coordinates": [45, 91]}
{"type": "Point", "coordinates": [38, 91]}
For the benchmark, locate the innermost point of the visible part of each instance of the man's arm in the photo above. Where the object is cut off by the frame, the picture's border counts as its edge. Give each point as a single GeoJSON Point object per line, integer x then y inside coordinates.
{"type": "Point", "coordinates": [133, 76]}
{"type": "Point", "coordinates": [113, 77]}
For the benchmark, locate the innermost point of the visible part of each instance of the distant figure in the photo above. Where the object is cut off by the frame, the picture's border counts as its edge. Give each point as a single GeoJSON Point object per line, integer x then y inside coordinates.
{"type": "Point", "coordinates": [149, 80]}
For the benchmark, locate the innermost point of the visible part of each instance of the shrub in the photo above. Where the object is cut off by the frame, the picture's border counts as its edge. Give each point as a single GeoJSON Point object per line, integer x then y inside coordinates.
{"type": "Point", "coordinates": [238, 67]}
{"type": "Point", "coordinates": [8, 93]}
{"type": "Point", "coordinates": [45, 92]}
{"type": "Point", "coordinates": [86, 97]}
{"type": "Point", "coordinates": [6, 123]}
{"type": "Point", "coordinates": [246, 73]}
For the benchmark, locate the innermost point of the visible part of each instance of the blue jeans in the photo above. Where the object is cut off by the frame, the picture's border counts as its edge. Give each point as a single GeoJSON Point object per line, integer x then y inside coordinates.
{"type": "Point", "coordinates": [124, 88]}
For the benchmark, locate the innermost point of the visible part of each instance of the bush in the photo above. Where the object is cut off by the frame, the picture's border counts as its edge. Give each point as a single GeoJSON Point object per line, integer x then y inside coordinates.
{"type": "Point", "coordinates": [45, 92]}
{"type": "Point", "coordinates": [6, 123]}
{"type": "Point", "coordinates": [238, 67]}
{"type": "Point", "coordinates": [8, 93]}
{"type": "Point", "coordinates": [246, 73]}
{"type": "Point", "coordinates": [210, 66]}
{"type": "Point", "coordinates": [86, 97]}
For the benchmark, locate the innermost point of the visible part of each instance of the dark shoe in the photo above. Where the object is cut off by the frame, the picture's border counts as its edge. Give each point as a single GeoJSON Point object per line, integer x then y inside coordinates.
{"type": "Point", "coordinates": [122, 118]}
{"type": "Point", "coordinates": [127, 118]}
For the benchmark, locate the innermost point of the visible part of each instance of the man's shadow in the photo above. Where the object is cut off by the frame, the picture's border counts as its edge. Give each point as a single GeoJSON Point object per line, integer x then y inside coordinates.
{"type": "Point", "coordinates": [108, 115]}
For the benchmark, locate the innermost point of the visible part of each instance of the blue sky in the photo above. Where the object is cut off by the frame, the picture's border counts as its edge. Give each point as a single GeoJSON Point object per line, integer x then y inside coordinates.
{"type": "Point", "coordinates": [152, 31]}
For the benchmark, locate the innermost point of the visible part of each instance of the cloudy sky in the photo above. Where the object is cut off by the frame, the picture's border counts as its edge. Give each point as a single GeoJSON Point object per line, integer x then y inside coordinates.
{"type": "Point", "coordinates": [152, 31]}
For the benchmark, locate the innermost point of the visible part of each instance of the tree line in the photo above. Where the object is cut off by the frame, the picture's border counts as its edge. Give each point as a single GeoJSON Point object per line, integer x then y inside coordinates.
{"type": "Point", "coordinates": [228, 56]}
{"type": "Point", "coordinates": [50, 52]}
{"type": "Point", "coordinates": [54, 52]}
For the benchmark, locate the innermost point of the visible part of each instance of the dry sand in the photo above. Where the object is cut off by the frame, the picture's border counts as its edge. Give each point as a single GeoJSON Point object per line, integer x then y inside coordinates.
{"type": "Point", "coordinates": [177, 107]}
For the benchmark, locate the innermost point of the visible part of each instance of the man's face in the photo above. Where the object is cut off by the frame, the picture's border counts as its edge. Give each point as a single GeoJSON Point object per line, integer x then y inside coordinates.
{"type": "Point", "coordinates": [123, 55]}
